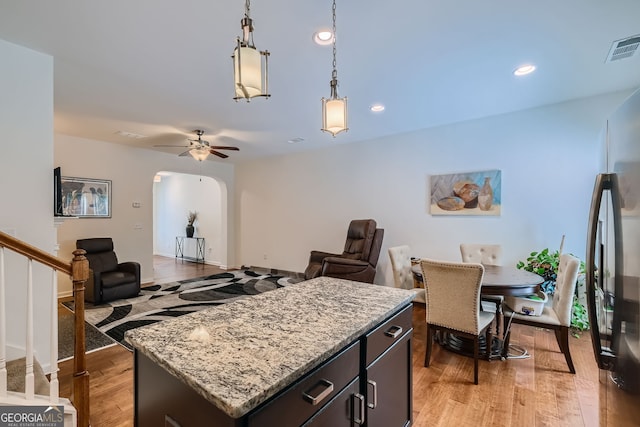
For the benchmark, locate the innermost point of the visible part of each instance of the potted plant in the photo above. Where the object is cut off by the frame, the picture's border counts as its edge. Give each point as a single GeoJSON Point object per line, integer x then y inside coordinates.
{"type": "Point", "coordinates": [191, 218]}
{"type": "Point", "coordinates": [545, 264]}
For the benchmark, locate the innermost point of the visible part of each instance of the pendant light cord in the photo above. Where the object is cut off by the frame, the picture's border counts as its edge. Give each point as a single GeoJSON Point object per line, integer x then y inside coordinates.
{"type": "Point", "coordinates": [334, 74]}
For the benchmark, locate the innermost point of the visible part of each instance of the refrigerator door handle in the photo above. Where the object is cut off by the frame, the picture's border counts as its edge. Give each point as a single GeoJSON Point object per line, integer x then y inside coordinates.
{"type": "Point", "coordinates": [604, 356]}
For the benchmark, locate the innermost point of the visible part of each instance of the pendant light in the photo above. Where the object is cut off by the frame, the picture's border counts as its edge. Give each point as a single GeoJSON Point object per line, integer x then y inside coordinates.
{"type": "Point", "coordinates": [250, 66]}
{"type": "Point", "coordinates": [334, 109]}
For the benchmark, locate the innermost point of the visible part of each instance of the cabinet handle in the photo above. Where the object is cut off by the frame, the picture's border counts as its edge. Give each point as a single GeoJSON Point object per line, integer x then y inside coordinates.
{"type": "Point", "coordinates": [360, 420]}
{"type": "Point", "coordinates": [394, 331]}
{"type": "Point", "coordinates": [375, 394]}
{"type": "Point", "coordinates": [314, 400]}
{"type": "Point", "coordinates": [170, 422]}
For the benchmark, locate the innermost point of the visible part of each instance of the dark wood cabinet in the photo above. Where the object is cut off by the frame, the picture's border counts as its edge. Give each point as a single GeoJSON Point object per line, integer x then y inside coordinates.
{"type": "Point", "coordinates": [304, 398]}
{"type": "Point", "coordinates": [388, 387]}
{"type": "Point", "coordinates": [367, 383]}
{"type": "Point", "coordinates": [387, 377]}
{"type": "Point", "coordinates": [345, 410]}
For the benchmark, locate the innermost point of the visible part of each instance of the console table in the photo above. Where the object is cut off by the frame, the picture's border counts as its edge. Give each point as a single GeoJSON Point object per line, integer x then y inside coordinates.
{"type": "Point", "coordinates": [199, 255]}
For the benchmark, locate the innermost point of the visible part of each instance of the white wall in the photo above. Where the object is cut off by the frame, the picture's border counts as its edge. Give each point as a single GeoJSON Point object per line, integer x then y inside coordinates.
{"type": "Point", "coordinates": [26, 180]}
{"type": "Point", "coordinates": [131, 171]}
{"type": "Point", "coordinates": [548, 156]}
{"type": "Point", "coordinates": [174, 196]}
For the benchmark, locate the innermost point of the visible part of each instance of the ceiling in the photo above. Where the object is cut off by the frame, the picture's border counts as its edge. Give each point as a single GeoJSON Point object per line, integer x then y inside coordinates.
{"type": "Point", "coordinates": [162, 68]}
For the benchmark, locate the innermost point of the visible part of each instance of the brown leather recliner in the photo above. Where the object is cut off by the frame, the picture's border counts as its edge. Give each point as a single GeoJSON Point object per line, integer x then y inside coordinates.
{"type": "Point", "coordinates": [359, 259]}
{"type": "Point", "coordinates": [108, 279]}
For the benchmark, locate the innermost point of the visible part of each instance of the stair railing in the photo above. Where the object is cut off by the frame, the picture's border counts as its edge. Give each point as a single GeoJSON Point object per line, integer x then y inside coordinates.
{"type": "Point", "coordinates": [78, 270]}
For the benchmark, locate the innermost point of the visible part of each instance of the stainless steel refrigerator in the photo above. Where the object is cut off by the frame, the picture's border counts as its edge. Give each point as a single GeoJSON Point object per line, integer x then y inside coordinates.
{"type": "Point", "coordinates": [613, 268]}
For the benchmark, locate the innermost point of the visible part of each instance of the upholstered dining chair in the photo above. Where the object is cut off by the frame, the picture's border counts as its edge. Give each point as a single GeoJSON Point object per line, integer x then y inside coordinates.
{"type": "Point", "coordinates": [558, 315]}
{"type": "Point", "coordinates": [486, 255]}
{"type": "Point", "coordinates": [400, 257]}
{"type": "Point", "coordinates": [453, 304]}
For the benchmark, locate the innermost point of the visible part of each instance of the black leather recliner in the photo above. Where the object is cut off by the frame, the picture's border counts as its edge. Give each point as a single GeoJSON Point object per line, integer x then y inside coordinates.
{"type": "Point", "coordinates": [108, 279]}
{"type": "Point", "coordinates": [359, 259]}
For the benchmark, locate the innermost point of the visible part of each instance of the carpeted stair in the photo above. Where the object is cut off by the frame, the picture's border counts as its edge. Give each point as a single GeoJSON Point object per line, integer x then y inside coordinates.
{"type": "Point", "coordinates": [15, 387]}
{"type": "Point", "coordinates": [15, 377]}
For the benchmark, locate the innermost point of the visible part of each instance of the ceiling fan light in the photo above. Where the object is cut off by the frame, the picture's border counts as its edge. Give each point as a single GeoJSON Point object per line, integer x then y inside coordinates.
{"type": "Point", "coordinates": [199, 154]}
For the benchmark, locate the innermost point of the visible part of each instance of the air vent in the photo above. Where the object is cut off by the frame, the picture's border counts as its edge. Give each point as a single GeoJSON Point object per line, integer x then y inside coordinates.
{"type": "Point", "coordinates": [623, 48]}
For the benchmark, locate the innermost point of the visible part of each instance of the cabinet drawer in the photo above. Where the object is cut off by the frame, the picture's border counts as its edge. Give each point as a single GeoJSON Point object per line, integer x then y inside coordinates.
{"type": "Point", "coordinates": [304, 398]}
{"type": "Point", "coordinates": [385, 335]}
{"type": "Point", "coordinates": [347, 406]}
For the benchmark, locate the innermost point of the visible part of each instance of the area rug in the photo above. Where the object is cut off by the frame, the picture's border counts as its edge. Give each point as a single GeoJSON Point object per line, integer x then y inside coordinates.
{"type": "Point", "coordinates": [169, 300]}
{"type": "Point", "coordinates": [94, 339]}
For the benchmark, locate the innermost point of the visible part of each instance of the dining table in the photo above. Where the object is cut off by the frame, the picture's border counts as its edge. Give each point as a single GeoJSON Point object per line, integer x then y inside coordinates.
{"type": "Point", "coordinates": [497, 280]}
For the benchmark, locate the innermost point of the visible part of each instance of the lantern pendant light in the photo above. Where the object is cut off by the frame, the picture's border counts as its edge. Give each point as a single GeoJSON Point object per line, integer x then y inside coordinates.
{"type": "Point", "coordinates": [334, 109]}
{"type": "Point", "coordinates": [250, 66]}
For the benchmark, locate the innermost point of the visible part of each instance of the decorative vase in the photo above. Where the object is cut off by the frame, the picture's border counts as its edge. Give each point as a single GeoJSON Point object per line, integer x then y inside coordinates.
{"type": "Point", "coordinates": [485, 197]}
{"type": "Point", "coordinates": [190, 230]}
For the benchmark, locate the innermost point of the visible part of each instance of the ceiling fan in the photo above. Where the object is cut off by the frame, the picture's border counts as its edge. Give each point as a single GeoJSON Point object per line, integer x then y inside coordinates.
{"type": "Point", "coordinates": [200, 149]}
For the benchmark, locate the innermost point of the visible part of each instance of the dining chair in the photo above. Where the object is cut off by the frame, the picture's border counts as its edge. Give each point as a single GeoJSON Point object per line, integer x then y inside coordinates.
{"type": "Point", "coordinates": [400, 257]}
{"type": "Point", "coordinates": [453, 304]}
{"type": "Point", "coordinates": [558, 315]}
{"type": "Point", "coordinates": [486, 255]}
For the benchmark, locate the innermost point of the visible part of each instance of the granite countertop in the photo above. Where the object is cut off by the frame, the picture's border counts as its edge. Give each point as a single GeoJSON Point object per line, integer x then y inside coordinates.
{"type": "Point", "coordinates": [239, 354]}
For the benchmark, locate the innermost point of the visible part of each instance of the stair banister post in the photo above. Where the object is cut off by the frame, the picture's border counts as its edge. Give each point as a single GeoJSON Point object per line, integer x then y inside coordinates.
{"type": "Point", "coordinates": [3, 329]}
{"type": "Point", "coordinates": [80, 393]}
{"type": "Point", "coordinates": [54, 384]}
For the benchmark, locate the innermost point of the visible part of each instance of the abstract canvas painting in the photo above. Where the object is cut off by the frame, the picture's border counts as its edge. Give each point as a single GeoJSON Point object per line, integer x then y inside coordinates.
{"type": "Point", "coordinates": [86, 198]}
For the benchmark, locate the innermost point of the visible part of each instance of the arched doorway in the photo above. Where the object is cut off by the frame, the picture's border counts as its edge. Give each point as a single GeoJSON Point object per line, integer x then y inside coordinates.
{"type": "Point", "coordinates": [174, 196]}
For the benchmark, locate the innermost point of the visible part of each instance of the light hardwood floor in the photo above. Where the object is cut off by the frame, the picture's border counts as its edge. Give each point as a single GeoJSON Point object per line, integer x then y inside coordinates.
{"type": "Point", "coordinates": [538, 391]}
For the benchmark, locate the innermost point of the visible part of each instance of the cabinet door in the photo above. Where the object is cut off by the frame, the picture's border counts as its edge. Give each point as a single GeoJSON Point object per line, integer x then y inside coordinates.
{"type": "Point", "coordinates": [388, 386]}
{"type": "Point", "coordinates": [345, 410]}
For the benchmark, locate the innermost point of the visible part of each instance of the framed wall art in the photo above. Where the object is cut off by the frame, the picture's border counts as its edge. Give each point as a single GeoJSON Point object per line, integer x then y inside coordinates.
{"type": "Point", "coordinates": [470, 193]}
{"type": "Point", "coordinates": [86, 198]}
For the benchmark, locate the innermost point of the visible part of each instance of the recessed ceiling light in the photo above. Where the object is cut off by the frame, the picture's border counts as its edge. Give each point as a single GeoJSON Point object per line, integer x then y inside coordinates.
{"type": "Point", "coordinates": [376, 108]}
{"type": "Point", "coordinates": [323, 37]}
{"type": "Point", "coordinates": [295, 140]}
{"type": "Point", "coordinates": [523, 70]}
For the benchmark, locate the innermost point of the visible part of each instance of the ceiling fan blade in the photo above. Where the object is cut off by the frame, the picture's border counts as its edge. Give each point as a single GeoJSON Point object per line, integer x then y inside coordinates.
{"type": "Point", "coordinates": [224, 147]}
{"type": "Point", "coordinates": [222, 155]}
{"type": "Point", "coordinates": [186, 153]}
{"type": "Point", "coordinates": [173, 146]}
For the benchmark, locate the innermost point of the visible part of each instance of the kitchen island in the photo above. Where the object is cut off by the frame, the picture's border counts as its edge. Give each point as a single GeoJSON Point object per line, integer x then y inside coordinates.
{"type": "Point", "coordinates": [305, 354]}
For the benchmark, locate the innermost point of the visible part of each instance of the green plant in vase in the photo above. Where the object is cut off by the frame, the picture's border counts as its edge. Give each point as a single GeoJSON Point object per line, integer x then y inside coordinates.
{"type": "Point", "coordinates": [545, 264]}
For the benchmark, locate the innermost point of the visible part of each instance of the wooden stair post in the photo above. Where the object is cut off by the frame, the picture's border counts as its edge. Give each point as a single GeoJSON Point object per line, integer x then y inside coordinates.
{"type": "Point", "coordinates": [80, 392]}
